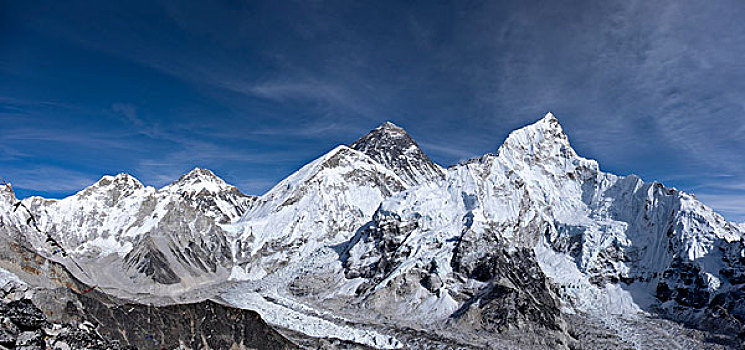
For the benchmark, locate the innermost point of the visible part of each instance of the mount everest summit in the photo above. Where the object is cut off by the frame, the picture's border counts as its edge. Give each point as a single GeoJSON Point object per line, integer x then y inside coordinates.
{"type": "Point", "coordinates": [373, 245]}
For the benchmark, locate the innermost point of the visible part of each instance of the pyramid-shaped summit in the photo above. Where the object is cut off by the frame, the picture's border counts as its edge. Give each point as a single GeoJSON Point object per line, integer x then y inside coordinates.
{"type": "Point", "coordinates": [391, 146]}
{"type": "Point", "coordinates": [544, 139]}
{"type": "Point", "coordinates": [198, 172]}
{"type": "Point", "coordinates": [199, 177]}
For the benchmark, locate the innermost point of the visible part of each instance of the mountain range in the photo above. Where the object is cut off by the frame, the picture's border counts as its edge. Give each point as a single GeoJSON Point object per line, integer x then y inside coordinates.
{"type": "Point", "coordinates": [373, 245]}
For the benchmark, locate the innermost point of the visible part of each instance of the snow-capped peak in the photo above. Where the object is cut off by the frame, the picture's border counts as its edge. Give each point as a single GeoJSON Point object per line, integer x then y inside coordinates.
{"type": "Point", "coordinates": [198, 172]}
{"type": "Point", "coordinates": [391, 146]}
{"type": "Point", "coordinates": [119, 180]}
{"type": "Point", "coordinates": [304, 173]}
{"type": "Point", "coordinates": [385, 135]}
{"type": "Point", "coordinates": [538, 142]}
{"type": "Point", "coordinates": [390, 127]}
{"type": "Point", "coordinates": [122, 184]}
{"type": "Point", "coordinates": [198, 180]}
{"type": "Point", "coordinates": [7, 196]}
{"type": "Point", "coordinates": [547, 131]}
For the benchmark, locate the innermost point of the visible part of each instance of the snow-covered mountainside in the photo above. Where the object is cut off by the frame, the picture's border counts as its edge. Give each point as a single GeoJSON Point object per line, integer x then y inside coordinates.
{"type": "Point", "coordinates": [392, 147]}
{"type": "Point", "coordinates": [131, 236]}
{"type": "Point", "coordinates": [374, 244]}
{"type": "Point", "coordinates": [322, 204]}
{"type": "Point", "coordinates": [605, 243]}
{"type": "Point", "coordinates": [532, 240]}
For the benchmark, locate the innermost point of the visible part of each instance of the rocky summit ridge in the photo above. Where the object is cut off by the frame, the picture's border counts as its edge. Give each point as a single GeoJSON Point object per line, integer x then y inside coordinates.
{"type": "Point", "coordinates": [392, 147]}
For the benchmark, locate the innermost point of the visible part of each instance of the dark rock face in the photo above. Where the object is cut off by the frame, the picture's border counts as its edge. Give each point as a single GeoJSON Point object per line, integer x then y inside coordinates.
{"type": "Point", "coordinates": [431, 281]}
{"type": "Point", "coordinates": [24, 315]}
{"type": "Point", "coordinates": [24, 326]}
{"type": "Point", "coordinates": [731, 303]}
{"type": "Point", "coordinates": [386, 233]}
{"type": "Point", "coordinates": [734, 261]}
{"type": "Point", "coordinates": [203, 325]}
{"type": "Point", "coordinates": [151, 262]}
{"type": "Point", "coordinates": [394, 148]}
{"type": "Point", "coordinates": [684, 283]}
{"type": "Point", "coordinates": [517, 295]}
{"type": "Point", "coordinates": [721, 312]}
{"type": "Point", "coordinates": [97, 321]}
{"type": "Point", "coordinates": [503, 306]}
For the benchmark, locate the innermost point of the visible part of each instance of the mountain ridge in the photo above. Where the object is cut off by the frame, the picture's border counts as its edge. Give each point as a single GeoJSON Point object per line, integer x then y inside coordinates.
{"type": "Point", "coordinates": [531, 239]}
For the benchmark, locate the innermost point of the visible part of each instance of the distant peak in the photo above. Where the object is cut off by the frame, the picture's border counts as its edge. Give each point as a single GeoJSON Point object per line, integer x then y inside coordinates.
{"type": "Point", "coordinates": [121, 178]}
{"type": "Point", "coordinates": [7, 192]}
{"type": "Point", "coordinates": [548, 126]}
{"type": "Point", "coordinates": [549, 123]}
{"type": "Point", "coordinates": [549, 117]}
{"type": "Point", "coordinates": [199, 172]}
{"type": "Point", "coordinates": [391, 146]}
{"type": "Point", "coordinates": [387, 137]}
{"type": "Point", "coordinates": [198, 175]}
{"type": "Point", "coordinates": [384, 135]}
{"type": "Point", "coordinates": [121, 181]}
{"type": "Point", "coordinates": [389, 126]}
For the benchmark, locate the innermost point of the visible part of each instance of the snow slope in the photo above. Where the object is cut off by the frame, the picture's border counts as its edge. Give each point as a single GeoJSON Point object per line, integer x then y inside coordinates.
{"type": "Point", "coordinates": [321, 204]}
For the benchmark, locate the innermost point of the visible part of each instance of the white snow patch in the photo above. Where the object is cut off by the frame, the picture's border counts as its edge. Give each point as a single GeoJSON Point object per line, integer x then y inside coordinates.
{"type": "Point", "coordinates": [576, 288]}
{"type": "Point", "coordinates": [9, 277]}
{"type": "Point", "coordinates": [313, 326]}
{"type": "Point", "coordinates": [240, 274]}
{"type": "Point", "coordinates": [107, 246]}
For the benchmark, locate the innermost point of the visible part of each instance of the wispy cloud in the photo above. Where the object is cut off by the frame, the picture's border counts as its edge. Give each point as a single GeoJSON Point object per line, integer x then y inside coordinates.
{"type": "Point", "coordinates": [450, 150]}
{"type": "Point", "coordinates": [50, 179]}
{"type": "Point", "coordinates": [732, 206]}
{"type": "Point", "coordinates": [128, 111]}
{"type": "Point", "coordinates": [255, 187]}
{"type": "Point", "coordinates": [104, 140]}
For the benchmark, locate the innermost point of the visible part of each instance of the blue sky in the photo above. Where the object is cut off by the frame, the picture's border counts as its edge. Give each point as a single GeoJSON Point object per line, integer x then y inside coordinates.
{"type": "Point", "coordinates": [254, 90]}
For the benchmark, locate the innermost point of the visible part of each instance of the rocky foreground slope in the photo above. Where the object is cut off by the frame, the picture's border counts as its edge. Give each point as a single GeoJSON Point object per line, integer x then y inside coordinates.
{"type": "Point", "coordinates": [374, 245]}
{"type": "Point", "coordinates": [100, 322]}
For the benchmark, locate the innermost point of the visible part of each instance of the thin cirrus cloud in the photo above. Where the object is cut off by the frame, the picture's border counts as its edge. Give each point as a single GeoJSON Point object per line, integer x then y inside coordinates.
{"type": "Point", "coordinates": [50, 179]}
{"type": "Point", "coordinates": [728, 205]}
{"type": "Point", "coordinates": [254, 90]}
